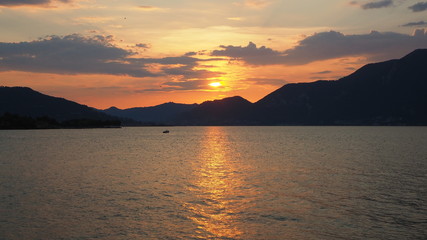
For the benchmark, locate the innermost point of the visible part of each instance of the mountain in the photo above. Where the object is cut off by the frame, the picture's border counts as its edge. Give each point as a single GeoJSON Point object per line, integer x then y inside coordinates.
{"type": "Point", "coordinates": [386, 93]}
{"type": "Point", "coordinates": [227, 111]}
{"type": "Point", "coordinates": [25, 104]}
{"type": "Point", "coordinates": [161, 114]}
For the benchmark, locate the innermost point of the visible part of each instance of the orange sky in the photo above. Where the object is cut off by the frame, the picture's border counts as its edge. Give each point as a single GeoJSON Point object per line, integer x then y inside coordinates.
{"type": "Point", "coordinates": [142, 53]}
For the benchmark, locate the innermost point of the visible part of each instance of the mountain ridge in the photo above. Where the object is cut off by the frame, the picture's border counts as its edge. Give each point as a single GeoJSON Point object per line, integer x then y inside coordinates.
{"type": "Point", "coordinates": [26, 101]}
{"type": "Point", "coordinates": [384, 93]}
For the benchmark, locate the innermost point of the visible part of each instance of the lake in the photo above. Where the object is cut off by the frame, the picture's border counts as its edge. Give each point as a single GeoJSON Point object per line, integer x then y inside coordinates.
{"type": "Point", "coordinates": [214, 183]}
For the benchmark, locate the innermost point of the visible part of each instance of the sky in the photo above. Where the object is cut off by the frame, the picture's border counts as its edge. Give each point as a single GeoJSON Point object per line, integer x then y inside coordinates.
{"type": "Point", "coordinates": [137, 53]}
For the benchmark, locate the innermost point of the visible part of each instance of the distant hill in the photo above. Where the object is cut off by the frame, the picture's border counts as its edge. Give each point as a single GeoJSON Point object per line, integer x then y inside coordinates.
{"type": "Point", "coordinates": [161, 114]}
{"type": "Point", "coordinates": [25, 102]}
{"type": "Point", "coordinates": [386, 93]}
{"type": "Point", "coordinates": [227, 111]}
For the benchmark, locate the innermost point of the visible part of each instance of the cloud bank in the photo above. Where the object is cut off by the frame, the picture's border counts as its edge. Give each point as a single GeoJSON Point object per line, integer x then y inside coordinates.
{"type": "Point", "coordinates": [71, 54]}
{"type": "Point", "coordinates": [77, 54]}
{"type": "Point", "coordinates": [329, 45]}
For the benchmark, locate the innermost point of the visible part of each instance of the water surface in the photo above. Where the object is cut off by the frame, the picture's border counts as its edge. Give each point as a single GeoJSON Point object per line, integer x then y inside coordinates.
{"type": "Point", "coordinates": [214, 183]}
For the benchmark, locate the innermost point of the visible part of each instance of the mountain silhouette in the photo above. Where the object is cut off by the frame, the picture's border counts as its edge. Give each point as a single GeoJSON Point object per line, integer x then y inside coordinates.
{"type": "Point", "coordinates": [227, 111]}
{"type": "Point", "coordinates": [32, 108]}
{"type": "Point", "coordinates": [160, 114]}
{"type": "Point", "coordinates": [386, 93]}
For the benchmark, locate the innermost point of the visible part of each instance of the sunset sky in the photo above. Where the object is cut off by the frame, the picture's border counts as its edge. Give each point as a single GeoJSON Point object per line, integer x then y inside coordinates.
{"type": "Point", "coordinates": [134, 53]}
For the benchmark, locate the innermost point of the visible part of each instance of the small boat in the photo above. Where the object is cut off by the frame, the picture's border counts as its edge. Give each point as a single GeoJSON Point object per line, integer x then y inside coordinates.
{"type": "Point", "coordinates": [166, 131]}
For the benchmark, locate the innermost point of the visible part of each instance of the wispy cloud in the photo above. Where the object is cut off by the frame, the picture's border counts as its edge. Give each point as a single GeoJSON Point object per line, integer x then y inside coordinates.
{"type": "Point", "coordinates": [235, 18]}
{"type": "Point", "coordinates": [415, 24]}
{"type": "Point", "coordinates": [143, 45]}
{"type": "Point", "coordinates": [419, 7]}
{"type": "Point", "coordinates": [150, 8]}
{"type": "Point", "coordinates": [185, 85]}
{"type": "Point", "coordinates": [377, 4]}
{"type": "Point", "coordinates": [323, 72]}
{"type": "Point", "coordinates": [257, 4]}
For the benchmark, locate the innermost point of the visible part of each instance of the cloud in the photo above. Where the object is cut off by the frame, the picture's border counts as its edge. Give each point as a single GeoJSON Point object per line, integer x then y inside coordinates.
{"type": "Point", "coordinates": [77, 54]}
{"type": "Point", "coordinates": [235, 18]}
{"type": "Point", "coordinates": [150, 8]}
{"type": "Point", "coordinates": [143, 45]}
{"type": "Point", "coordinates": [419, 7]}
{"type": "Point", "coordinates": [250, 54]}
{"type": "Point", "coordinates": [415, 24]}
{"type": "Point", "coordinates": [377, 4]}
{"type": "Point", "coordinates": [187, 85]}
{"type": "Point", "coordinates": [188, 54]}
{"type": "Point", "coordinates": [329, 45]}
{"type": "Point", "coordinates": [323, 72]}
{"type": "Point", "coordinates": [256, 4]}
{"type": "Point", "coordinates": [15, 3]}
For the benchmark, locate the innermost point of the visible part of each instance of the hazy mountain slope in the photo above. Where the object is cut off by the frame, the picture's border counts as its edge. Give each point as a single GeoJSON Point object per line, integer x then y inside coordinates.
{"type": "Point", "coordinates": [163, 113]}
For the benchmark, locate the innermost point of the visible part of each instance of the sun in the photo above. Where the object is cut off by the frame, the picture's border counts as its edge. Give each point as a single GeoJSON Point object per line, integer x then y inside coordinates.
{"type": "Point", "coordinates": [215, 84]}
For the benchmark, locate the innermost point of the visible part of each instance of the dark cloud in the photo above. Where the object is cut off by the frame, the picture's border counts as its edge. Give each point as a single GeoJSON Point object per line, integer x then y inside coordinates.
{"type": "Point", "coordinates": [329, 45]}
{"type": "Point", "coordinates": [143, 45]}
{"type": "Point", "coordinates": [323, 72]}
{"type": "Point", "coordinates": [76, 54]}
{"type": "Point", "coordinates": [71, 54]}
{"type": "Point", "coordinates": [251, 54]}
{"type": "Point", "coordinates": [12, 3]}
{"type": "Point", "coordinates": [415, 24]}
{"type": "Point", "coordinates": [189, 54]}
{"type": "Point", "coordinates": [377, 4]}
{"type": "Point", "coordinates": [419, 7]}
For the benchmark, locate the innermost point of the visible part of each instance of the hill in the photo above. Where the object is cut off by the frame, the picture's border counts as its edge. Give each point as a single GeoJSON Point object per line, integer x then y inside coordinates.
{"type": "Point", "coordinates": [227, 111]}
{"type": "Point", "coordinates": [160, 114]}
{"type": "Point", "coordinates": [22, 104]}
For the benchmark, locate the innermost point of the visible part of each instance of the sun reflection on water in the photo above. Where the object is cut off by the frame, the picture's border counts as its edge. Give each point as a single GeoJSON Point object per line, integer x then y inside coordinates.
{"type": "Point", "coordinates": [218, 187]}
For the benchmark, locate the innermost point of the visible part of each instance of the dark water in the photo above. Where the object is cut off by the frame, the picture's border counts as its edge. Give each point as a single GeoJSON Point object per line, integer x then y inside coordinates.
{"type": "Point", "coordinates": [214, 183]}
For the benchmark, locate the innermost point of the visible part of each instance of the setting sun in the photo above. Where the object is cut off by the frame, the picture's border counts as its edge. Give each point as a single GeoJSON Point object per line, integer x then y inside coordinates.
{"type": "Point", "coordinates": [215, 84]}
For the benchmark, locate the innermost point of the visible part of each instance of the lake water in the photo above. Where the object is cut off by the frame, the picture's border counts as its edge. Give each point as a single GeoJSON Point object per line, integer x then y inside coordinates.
{"type": "Point", "coordinates": [214, 183]}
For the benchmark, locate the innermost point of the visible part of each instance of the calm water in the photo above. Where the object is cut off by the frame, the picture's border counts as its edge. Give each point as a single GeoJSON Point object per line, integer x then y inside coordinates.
{"type": "Point", "coordinates": [214, 183]}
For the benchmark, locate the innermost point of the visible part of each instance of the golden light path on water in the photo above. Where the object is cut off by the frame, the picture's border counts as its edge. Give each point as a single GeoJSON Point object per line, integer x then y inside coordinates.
{"type": "Point", "coordinates": [219, 186]}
